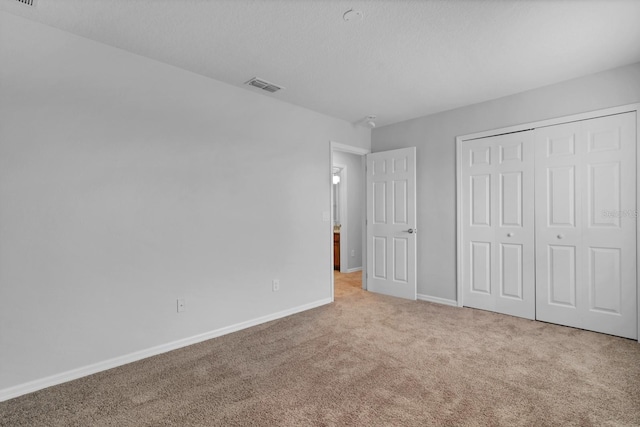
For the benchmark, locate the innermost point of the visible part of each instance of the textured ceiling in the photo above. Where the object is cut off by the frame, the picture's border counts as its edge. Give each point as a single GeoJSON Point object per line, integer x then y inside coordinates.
{"type": "Point", "coordinates": [404, 59]}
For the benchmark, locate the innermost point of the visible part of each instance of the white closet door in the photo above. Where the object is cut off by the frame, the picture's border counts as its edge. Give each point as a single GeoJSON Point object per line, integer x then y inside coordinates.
{"type": "Point", "coordinates": [586, 224]}
{"type": "Point", "coordinates": [498, 224]}
{"type": "Point", "coordinates": [558, 223]}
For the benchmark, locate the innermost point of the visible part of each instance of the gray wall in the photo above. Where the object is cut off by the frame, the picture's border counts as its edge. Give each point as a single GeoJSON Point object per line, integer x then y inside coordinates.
{"type": "Point", "coordinates": [355, 204]}
{"type": "Point", "coordinates": [126, 183]}
{"type": "Point", "coordinates": [434, 136]}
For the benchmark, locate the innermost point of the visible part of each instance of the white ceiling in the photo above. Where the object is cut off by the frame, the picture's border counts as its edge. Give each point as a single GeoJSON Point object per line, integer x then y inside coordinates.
{"type": "Point", "coordinates": [404, 59]}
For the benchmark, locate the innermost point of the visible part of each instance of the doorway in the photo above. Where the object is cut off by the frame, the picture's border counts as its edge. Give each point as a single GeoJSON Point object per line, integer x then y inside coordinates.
{"type": "Point", "coordinates": [339, 212]}
{"type": "Point", "coordinates": [348, 244]}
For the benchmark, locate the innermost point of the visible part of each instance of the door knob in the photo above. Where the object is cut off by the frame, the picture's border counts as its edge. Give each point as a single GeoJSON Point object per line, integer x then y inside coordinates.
{"type": "Point", "coordinates": [410, 231]}
{"type": "Point", "coordinates": [560, 236]}
{"type": "Point", "coordinates": [509, 234]}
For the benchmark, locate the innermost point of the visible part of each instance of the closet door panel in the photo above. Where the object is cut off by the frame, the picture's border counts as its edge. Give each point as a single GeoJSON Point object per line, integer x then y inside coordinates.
{"type": "Point", "coordinates": [609, 302]}
{"type": "Point", "coordinates": [478, 229]}
{"type": "Point", "coordinates": [586, 224]}
{"type": "Point", "coordinates": [558, 211]}
{"type": "Point", "coordinates": [514, 236]}
{"type": "Point", "coordinates": [498, 225]}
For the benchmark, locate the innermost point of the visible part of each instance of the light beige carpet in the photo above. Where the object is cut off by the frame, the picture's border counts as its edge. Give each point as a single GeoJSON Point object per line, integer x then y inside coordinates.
{"type": "Point", "coordinates": [364, 360]}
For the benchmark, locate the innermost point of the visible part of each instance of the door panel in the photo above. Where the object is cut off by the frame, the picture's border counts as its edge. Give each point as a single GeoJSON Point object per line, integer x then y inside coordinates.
{"type": "Point", "coordinates": [379, 203]}
{"type": "Point", "coordinates": [481, 267]}
{"type": "Point", "coordinates": [498, 228]}
{"type": "Point", "coordinates": [480, 156]}
{"type": "Point", "coordinates": [605, 284]}
{"type": "Point", "coordinates": [400, 254]}
{"type": "Point", "coordinates": [603, 194]}
{"type": "Point", "coordinates": [400, 203]}
{"type": "Point", "coordinates": [561, 144]}
{"type": "Point", "coordinates": [562, 275]}
{"type": "Point", "coordinates": [558, 236]}
{"type": "Point", "coordinates": [481, 200]}
{"type": "Point", "coordinates": [511, 271]}
{"type": "Point", "coordinates": [586, 224]}
{"type": "Point", "coordinates": [609, 231]}
{"type": "Point", "coordinates": [561, 196]}
{"type": "Point", "coordinates": [511, 199]}
{"type": "Point", "coordinates": [379, 257]}
{"type": "Point", "coordinates": [511, 152]}
{"type": "Point", "coordinates": [391, 224]}
{"type": "Point", "coordinates": [400, 164]}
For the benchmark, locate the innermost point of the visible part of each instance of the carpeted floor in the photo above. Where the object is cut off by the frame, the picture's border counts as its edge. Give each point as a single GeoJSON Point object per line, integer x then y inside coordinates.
{"type": "Point", "coordinates": [364, 360]}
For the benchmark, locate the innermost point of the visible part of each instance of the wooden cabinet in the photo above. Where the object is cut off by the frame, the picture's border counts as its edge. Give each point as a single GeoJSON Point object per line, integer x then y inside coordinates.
{"type": "Point", "coordinates": [336, 251]}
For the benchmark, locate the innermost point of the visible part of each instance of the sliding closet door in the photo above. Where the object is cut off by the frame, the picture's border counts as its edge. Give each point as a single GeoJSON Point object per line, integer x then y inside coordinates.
{"type": "Point", "coordinates": [586, 224]}
{"type": "Point", "coordinates": [498, 224]}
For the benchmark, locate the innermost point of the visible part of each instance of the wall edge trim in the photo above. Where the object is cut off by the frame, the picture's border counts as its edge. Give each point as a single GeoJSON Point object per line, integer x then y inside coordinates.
{"type": "Point", "coordinates": [73, 374]}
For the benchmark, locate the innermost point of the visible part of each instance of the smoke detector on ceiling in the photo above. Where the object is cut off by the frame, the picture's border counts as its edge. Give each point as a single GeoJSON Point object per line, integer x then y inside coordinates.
{"type": "Point", "coordinates": [370, 121]}
{"type": "Point", "coordinates": [367, 121]}
{"type": "Point", "coordinates": [263, 84]}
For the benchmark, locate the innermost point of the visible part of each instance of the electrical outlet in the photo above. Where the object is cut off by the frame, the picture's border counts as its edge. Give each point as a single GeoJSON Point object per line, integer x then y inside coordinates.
{"type": "Point", "coordinates": [275, 285]}
{"type": "Point", "coordinates": [182, 305]}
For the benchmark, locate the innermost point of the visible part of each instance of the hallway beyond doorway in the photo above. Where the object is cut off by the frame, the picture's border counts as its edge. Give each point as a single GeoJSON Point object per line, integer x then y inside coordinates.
{"type": "Point", "coordinates": [347, 283]}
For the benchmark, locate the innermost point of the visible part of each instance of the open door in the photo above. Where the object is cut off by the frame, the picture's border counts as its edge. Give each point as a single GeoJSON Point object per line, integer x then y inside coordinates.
{"type": "Point", "coordinates": [391, 223]}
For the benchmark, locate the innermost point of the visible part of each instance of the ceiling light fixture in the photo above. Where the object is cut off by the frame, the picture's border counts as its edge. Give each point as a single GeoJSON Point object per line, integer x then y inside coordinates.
{"type": "Point", "coordinates": [353, 15]}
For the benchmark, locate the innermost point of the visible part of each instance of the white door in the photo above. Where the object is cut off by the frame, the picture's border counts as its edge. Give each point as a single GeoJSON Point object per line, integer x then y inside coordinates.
{"type": "Point", "coordinates": [391, 223]}
{"type": "Point", "coordinates": [498, 224]}
{"type": "Point", "coordinates": [586, 224]}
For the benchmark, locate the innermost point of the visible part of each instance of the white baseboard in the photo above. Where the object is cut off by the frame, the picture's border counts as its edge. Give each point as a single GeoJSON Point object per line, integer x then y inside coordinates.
{"type": "Point", "coordinates": [353, 270]}
{"type": "Point", "coordinates": [31, 386]}
{"type": "Point", "coordinates": [438, 300]}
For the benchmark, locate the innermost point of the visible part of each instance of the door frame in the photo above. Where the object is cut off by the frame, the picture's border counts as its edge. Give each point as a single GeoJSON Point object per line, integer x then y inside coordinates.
{"type": "Point", "coordinates": [532, 125]}
{"type": "Point", "coordinates": [336, 146]}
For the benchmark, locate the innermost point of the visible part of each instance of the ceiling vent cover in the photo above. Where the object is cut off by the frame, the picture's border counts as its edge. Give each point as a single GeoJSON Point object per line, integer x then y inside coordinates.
{"type": "Point", "coordinates": [263, 84]}
{"type": "Point", "coordinates": [27, 2]}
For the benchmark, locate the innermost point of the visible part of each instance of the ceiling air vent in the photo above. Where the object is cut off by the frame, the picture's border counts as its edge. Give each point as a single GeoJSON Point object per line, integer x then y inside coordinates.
{"type": "Point", "coordinates": [27, 2]}
{"type": "Point", "coordinates": [263, 84]}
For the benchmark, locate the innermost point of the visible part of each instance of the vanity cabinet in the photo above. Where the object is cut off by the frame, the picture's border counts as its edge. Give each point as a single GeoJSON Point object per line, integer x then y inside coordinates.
{"type": "Point", "coordinates": [336, 251]}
